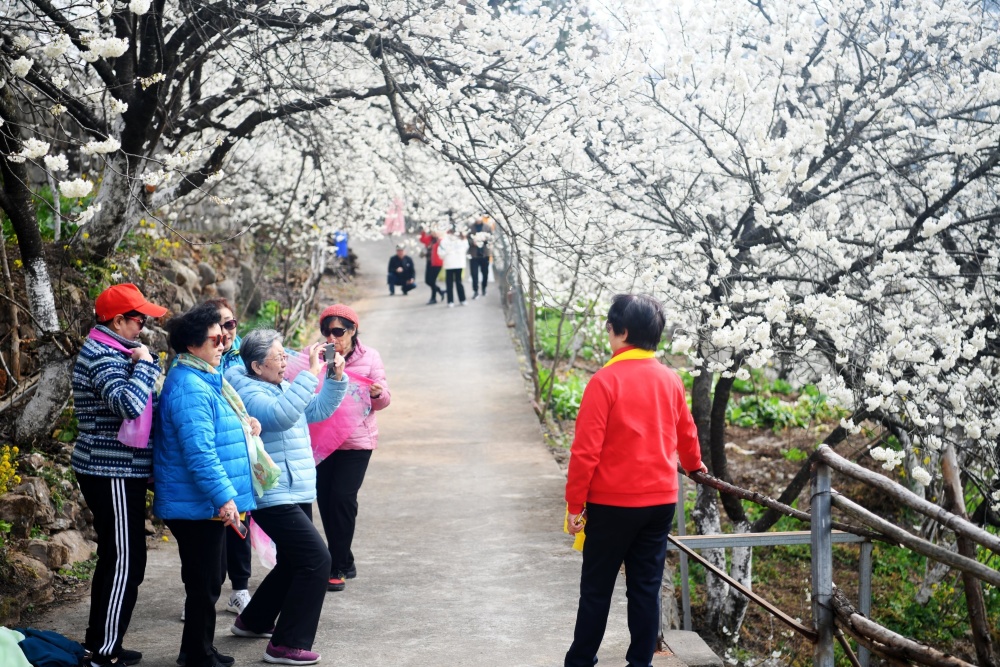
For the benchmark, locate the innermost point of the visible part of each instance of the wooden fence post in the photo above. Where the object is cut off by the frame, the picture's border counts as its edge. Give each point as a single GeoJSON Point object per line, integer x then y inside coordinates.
{"type": "Point", "coordinates": [822, 565]}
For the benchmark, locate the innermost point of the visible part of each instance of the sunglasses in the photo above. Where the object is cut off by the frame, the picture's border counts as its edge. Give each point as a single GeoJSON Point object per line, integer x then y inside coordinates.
{"type": "Point", "coordinates": [217, 340]}
{"type": "Point", "coordinates": [141, 319]}
{"type": "Point", "coordinates": [229, 325]}
{"type": "Point", "coordinates": [337, 332]}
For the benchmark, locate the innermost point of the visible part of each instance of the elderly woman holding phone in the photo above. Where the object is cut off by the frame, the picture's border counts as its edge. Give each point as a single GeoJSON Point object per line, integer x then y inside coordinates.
{"type": "Point", "coordinates": [204, 466]}
{"type": "Point", "coordinates": [340, 474]}
{"type": "Point", "coordinates": [287, 605]}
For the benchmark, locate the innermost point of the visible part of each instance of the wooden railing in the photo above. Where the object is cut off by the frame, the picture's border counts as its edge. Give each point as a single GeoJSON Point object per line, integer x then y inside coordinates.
{"type": "Point", "coordinates": [833, 615]}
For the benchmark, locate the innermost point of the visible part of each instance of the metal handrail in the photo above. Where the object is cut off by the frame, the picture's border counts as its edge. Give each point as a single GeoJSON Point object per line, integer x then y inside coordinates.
{"type": "Point", "coordinates": [808, 633]}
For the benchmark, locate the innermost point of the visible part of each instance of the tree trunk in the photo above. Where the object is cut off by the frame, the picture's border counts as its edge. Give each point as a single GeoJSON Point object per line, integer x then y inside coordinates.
{"type": "Point", "coordinates": [115, 197]}
{"type": "Point", "coordinates": [41, 412]}
{"type": "Point", "coordinates": [978, 620]}
{"type": "Point", "coordinates": [670, 616]}
{"type": "Point", "coordinates": [706, 505]}
{"type": "Point", "coordinates": [734, 607]}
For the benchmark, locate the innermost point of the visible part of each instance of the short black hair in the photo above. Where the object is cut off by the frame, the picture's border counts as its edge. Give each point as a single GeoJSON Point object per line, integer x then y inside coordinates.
{"type": "Point", "coordinates": [639, 314]}
{"type": "Point", "coordinates": [190, 329]}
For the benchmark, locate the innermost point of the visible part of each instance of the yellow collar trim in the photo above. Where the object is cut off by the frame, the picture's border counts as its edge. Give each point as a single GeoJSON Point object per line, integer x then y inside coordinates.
{"type": "Point", "coordinates": [634, 353]}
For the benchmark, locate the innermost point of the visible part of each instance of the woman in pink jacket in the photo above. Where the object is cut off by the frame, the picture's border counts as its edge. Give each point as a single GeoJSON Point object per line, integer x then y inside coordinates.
{"type": "Point", "coordinates": [339, 476]}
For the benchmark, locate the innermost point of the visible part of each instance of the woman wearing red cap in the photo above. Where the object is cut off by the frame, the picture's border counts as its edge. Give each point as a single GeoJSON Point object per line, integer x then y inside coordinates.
{"type": "Point", "coordinates": [340, 475]}
{"type": "Point", "coordinates": [113, 381]}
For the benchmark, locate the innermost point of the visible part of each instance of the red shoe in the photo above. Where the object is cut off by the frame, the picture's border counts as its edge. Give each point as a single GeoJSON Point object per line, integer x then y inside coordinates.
{"type": "Point", "coordinates": [336, 583]}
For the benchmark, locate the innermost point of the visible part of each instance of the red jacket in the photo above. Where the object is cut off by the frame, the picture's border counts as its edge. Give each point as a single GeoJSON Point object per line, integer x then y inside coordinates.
{"type": "Point", "coordinates": [632, 425]}
{"type": "Point", "coordinates": [432, 247]}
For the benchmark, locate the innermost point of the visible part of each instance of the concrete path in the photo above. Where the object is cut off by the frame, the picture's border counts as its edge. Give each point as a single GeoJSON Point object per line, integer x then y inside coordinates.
{"type": "Point", "coordinates": [460, 554]}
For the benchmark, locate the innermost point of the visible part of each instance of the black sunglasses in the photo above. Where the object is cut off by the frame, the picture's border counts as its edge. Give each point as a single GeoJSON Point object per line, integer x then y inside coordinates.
{"type": "Point", "coordinates": [229, 325]}
{"type": "Point", "coordinates": [337, 332]}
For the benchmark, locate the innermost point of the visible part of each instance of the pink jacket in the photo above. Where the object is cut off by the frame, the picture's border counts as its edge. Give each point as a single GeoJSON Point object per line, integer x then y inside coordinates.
{"type": "Point", "coordinates": [367, 362]}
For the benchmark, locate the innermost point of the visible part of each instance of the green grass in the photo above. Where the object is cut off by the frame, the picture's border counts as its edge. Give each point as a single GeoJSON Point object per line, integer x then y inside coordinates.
{"type": "Point", "coordinates": [83, 570]}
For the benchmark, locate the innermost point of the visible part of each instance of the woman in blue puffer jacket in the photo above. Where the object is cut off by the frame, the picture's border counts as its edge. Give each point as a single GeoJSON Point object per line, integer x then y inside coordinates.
{"type": "Point", "coordinates": [286, 606]}
{"type": "Point", "coordinates": [201, 465]}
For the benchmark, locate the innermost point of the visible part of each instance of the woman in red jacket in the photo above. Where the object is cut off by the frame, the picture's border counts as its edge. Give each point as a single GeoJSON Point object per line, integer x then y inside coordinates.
{"type": "Point", "coordinates": [432, 241]}
{"type": "Point", "coordinates": [632, 426]}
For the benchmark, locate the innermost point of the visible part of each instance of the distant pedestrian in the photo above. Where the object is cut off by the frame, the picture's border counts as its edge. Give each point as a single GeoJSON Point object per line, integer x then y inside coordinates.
{"type": "Point", "coordinates": [401, 272]}
{"type": "Point", "coordinates": [480, 238]}
{"type": "Point", "coordinates": [113, 381]}
{"type": "Point", "coordinates": [339, 476]}
{"type": "Point", "coordinates": [632, 425]}
{"type": "Point", "coordinates": [453, 249]}
{"type": "Point", "coordinates": [290, 599]}
{"type": "Point", "coordinates": [432, 241]}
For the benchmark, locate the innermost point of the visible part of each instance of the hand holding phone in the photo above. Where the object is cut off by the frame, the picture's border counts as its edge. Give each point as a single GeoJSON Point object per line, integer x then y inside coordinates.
{"type": "Point", "coordinates": [240, 529]}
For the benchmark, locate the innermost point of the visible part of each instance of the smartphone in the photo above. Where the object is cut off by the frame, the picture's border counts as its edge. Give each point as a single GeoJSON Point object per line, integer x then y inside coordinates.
{"type": "Point", "coordinates": [329, 352]}
{"type": "Point", "coordinates": [240, 529]}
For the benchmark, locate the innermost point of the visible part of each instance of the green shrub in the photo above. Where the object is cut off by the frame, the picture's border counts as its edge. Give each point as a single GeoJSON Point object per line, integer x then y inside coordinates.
{"type": "Point", "coordinates": [567, 393]}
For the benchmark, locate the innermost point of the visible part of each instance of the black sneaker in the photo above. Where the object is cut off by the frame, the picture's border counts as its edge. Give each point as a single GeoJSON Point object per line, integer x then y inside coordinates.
{"type": "Point", "coordinates": [129, 658]}
{"type": "Point", "coordinates": [218, 658]}
{"type": "Point", "coordinates": [352, 573]}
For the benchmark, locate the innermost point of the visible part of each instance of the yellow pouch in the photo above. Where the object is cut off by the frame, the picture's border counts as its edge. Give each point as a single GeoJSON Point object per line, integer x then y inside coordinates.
{"type": "Point", "coordinates": [579, 537]}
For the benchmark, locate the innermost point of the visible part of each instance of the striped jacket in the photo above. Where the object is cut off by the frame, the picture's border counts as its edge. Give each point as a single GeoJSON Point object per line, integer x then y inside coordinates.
{"type": "Point", "coordinates": [107, 389]}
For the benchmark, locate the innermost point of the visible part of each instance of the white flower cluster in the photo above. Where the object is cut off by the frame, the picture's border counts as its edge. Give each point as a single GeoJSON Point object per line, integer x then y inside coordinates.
{"type": "Point", "coordinates": [921, 476]}
{"type": "Point", "coordinates": [105, 47]}
{"type": "Point", "coordinates": [56, 163]}
{"type": "Point", "coordinates": [890, 458]}
{"type": "Point", "coordinates": [57, 46]}
{"type": "Point", "coordinates": [139, 7]}
{"type": "Point", "coordinates": [76, 188]}
{"type": "Point", "coordinates": [32, 148]}
{"type": "Point", "coordinates": [109, 145]}
{"type": "Point", "coordinates": [21, 66]}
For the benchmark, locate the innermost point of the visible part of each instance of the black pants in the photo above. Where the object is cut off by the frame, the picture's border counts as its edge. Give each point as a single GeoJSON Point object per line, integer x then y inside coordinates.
{"type": "Point", "coordinates": [199, 544]}
{"type": "Point", "coordinates": [454, 277]}
{"type": "Point", "coordinates": [291, 596]}
{"type": "Point", "coordinates": [479, 266]}
{"type": "Point", "coordinates": [430, 278]}
{"type": "Point", "coordinates": [119, 508]}
{"type": "Point", "coordinates": [636, 536]}
{"type": "Point", "coordinates": [338, 480]}
{"type": "Point", "coordinates": [406, 284]}
{"type": "Point", "coordinates": [236, 560]}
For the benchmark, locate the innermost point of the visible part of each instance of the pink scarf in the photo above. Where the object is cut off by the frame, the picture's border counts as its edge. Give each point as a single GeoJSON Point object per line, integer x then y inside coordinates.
{"type": "Point", "coordinates": [133, 432]}
{"type": "Point", "coordinates": [326, 436]}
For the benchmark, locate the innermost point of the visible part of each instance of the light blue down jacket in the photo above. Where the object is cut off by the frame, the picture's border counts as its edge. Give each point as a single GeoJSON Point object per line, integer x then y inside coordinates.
{"type": "Point", "coordinates": [200, 458]}
{"type": "Point", "coordinates": [283, 412]}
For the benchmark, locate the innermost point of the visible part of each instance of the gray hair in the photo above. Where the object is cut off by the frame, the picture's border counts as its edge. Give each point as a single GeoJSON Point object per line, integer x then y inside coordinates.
{"type": "Point", "coordinates": [256, 345]}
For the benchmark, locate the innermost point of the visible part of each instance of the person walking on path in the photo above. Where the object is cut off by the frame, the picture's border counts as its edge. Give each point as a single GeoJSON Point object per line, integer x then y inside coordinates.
{"type": "Point", "coordinates": [432, 242]}
{"type": "Point", "coordinates": [339, 476]}
{"type": "Point", "coordinates": [290, 599]}
{"type": "Point", "coordinates": [402, 273]}
{"type": "Point", "coordinates": [208, 466]}
{"type": "Point", "coordinates": [480, 237]}
{"type": "Point", "coordinates": [453, 249]}
{"type": "Point", "coordinates": [113, 381]}
{"type": "Point", "coordinates": [632, 426]}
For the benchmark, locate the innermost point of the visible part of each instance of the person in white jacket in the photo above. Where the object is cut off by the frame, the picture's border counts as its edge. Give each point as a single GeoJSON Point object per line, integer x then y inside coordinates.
{"type": "Point", "coordinates": [452, 250]}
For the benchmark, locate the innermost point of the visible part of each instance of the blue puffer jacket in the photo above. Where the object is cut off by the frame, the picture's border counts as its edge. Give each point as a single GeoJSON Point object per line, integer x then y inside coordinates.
{"type": "Point", "coordinates": [200, 461]}
{"type": "Point", "coordinates": [283, 412]}
{"type": "Point", "coordinates": [231, 358]}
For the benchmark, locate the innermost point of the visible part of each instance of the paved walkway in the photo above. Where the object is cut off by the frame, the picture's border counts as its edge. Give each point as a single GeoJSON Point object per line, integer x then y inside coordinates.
{"type": "Point", "coordinates": [461, 559]}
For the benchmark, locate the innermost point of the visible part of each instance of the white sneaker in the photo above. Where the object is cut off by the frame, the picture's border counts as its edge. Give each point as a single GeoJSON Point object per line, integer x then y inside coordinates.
{"type": "Point", "coordinates": [451, 305]}
{"type": "Point", "coordinates": [238, 601]}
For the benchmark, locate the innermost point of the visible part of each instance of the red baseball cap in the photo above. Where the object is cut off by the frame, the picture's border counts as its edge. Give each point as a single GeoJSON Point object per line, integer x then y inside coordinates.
{"type": "Point", "coordinates": [121, 299]}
